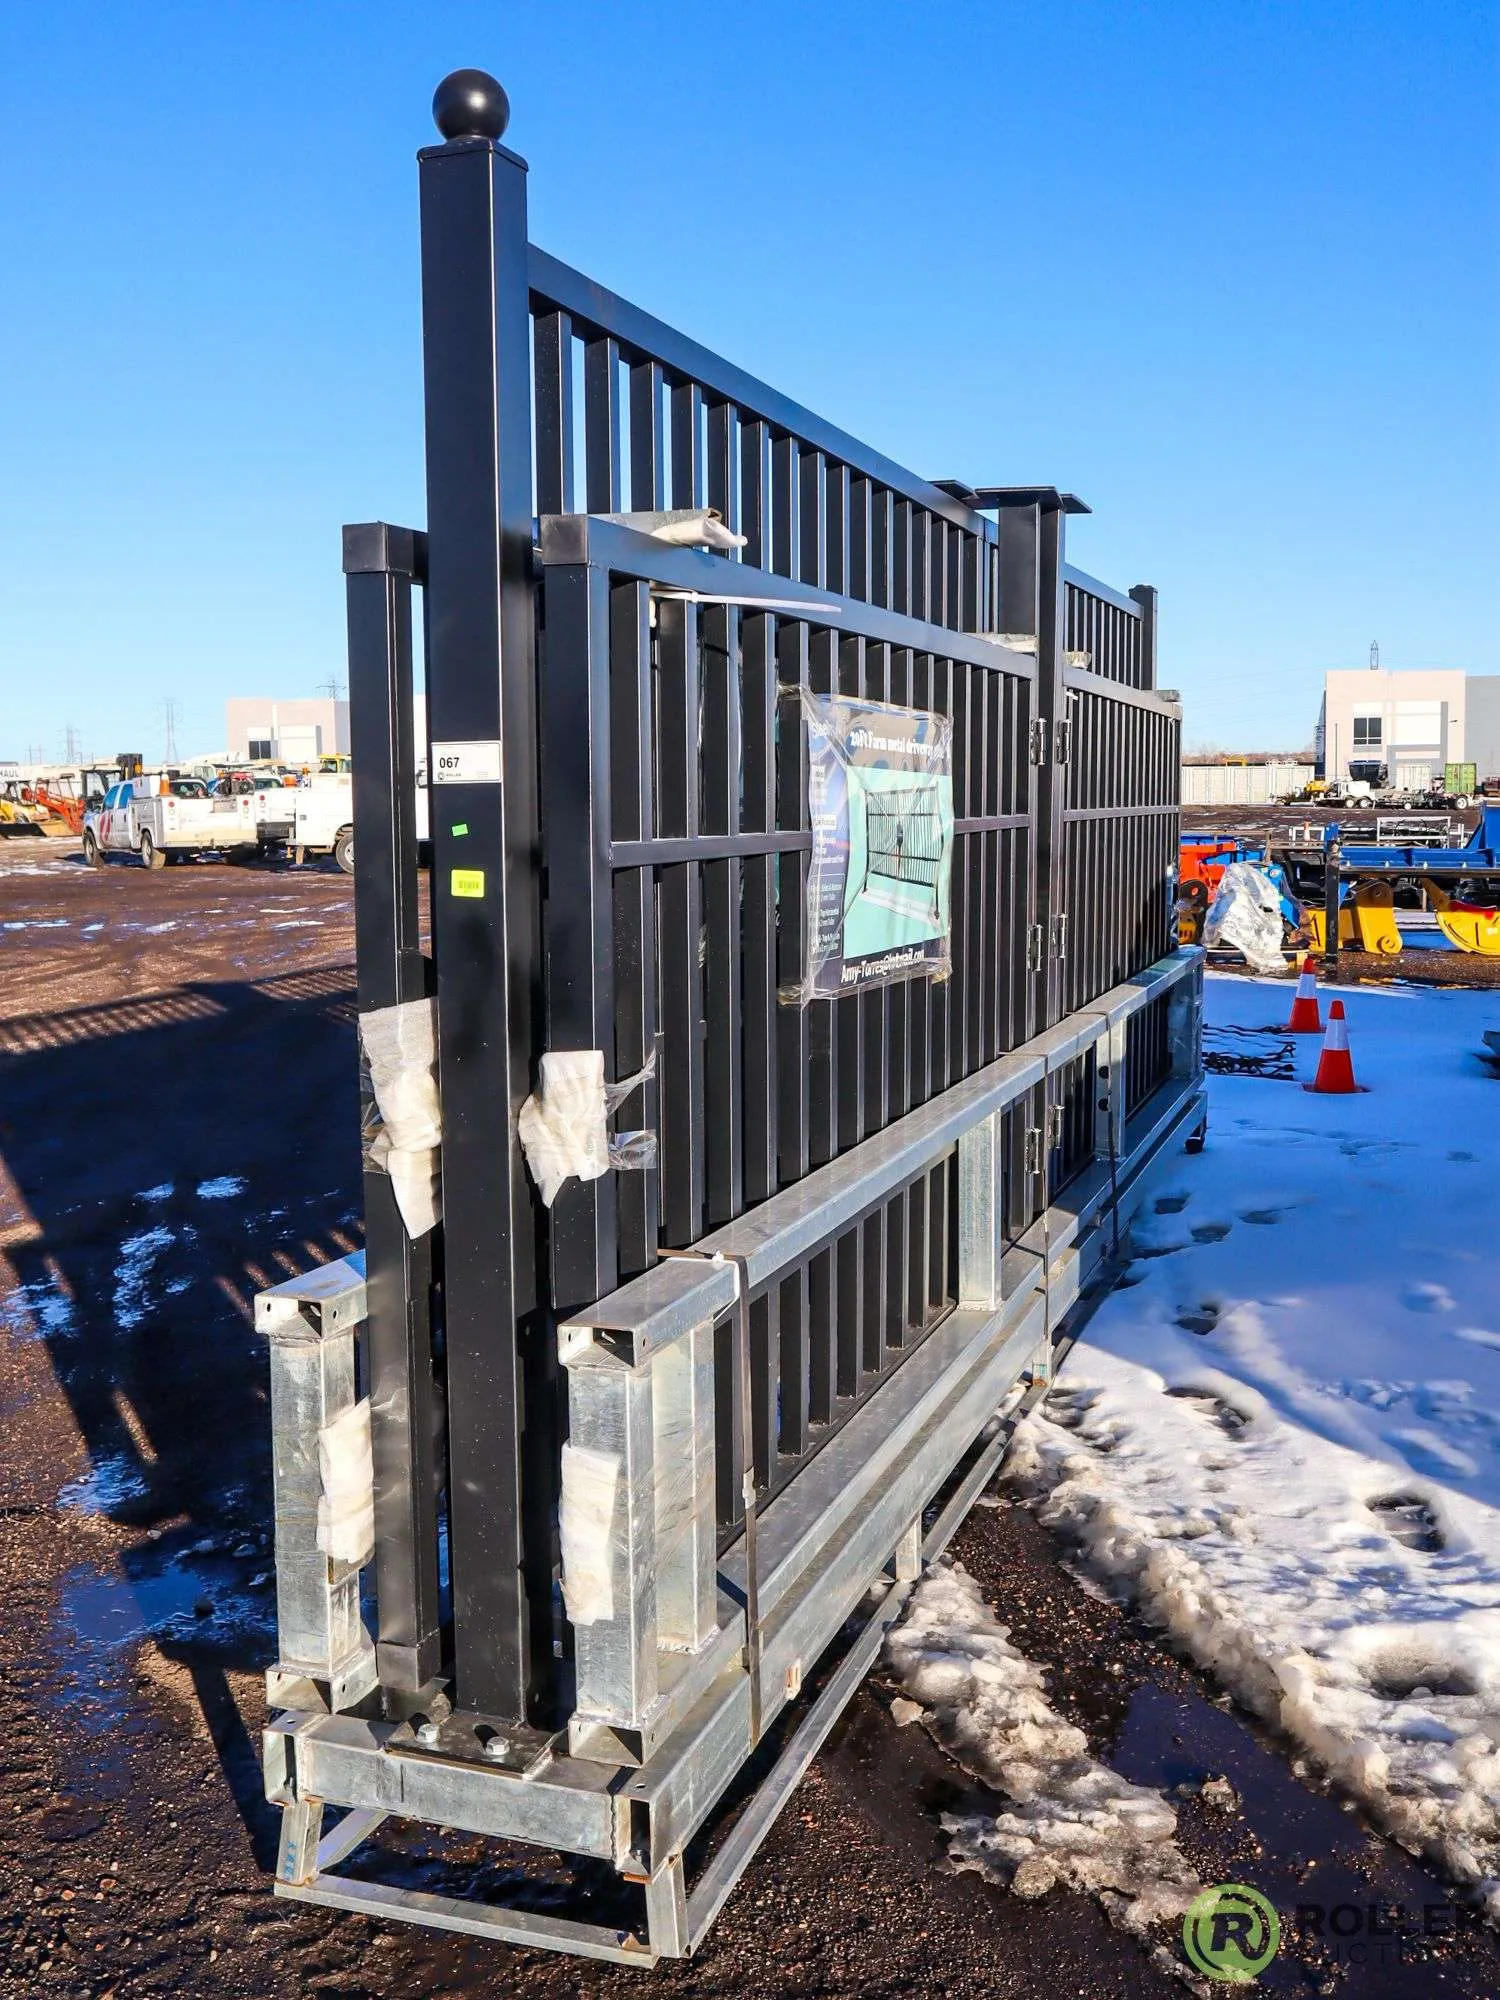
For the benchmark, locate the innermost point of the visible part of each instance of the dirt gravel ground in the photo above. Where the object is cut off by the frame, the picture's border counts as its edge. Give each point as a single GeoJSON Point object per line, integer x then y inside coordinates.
{"type": "Point", "coordinates": [177, 1129]}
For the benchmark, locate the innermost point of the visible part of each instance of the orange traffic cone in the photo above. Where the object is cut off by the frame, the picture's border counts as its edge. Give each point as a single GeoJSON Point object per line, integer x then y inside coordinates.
{"type": "Point", "coordinates": [1335, 1066]}
{"type": "Point", "coordinates": [1306, 1020]}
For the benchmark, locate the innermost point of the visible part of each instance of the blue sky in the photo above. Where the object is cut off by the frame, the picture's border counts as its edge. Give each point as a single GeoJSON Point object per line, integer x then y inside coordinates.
{"type": "Point", "coordinates": [1228, 271]}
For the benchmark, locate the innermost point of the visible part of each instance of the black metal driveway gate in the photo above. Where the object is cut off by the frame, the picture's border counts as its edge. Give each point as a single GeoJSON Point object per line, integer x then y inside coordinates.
{"type": "Point", "coordinates": [889, 1200]}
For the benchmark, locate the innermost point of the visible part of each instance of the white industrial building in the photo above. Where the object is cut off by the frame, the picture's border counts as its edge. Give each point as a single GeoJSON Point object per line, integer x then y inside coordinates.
{"type": "Point", "coordinates": [297, 731]}
{"type": "Point", "coordinates": [1401, 726]}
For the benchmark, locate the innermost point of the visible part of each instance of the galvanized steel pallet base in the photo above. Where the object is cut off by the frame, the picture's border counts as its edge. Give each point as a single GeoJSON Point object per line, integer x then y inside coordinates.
{"type": "Point", "coordinates": [850, 1523]}
{"type": "Point", "coordinates": [677, 1920]}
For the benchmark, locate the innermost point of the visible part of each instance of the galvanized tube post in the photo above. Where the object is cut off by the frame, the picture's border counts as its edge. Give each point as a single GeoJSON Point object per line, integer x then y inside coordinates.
{"type": "Point", "coordinates": [610, 1415]}
{"type": "Point", "coordinates": [1185, 1024]}
{"type": "Point", "coordinates": [1109, 1095]}
{"type": "Point", "coordinates": [653, 1422]}
{"type": "Point", "coordinates": [686, 1541]}
{"type": "Point", "coordinates": [981, 1212]}
{"type": "Point", "coordinates": [326, 1658]}
{"type": "Point", "coordinates": [485, 908]}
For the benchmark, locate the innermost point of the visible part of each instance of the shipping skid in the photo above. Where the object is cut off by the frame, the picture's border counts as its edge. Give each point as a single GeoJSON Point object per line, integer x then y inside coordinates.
{"type": "Point", "coordinates": [662, 1726]}
{"type": "Point", "coordinates": [868, 1217]}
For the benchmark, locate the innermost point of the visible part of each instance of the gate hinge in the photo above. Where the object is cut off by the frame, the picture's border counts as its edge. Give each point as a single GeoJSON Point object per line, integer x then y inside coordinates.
{"type": "Point", "coordinates": [1033, 947]}
{"type": "Point", "coordinates": [1033, 1155]}
{"type": "Point", "coordinates": [1060, 935]}
{"type": "Point", "coordinates": [1054, 1127]}
{"type": "Point", "coordinates": [1039, 739]}
{"type": "Point", "coordinates": [1062, 739]}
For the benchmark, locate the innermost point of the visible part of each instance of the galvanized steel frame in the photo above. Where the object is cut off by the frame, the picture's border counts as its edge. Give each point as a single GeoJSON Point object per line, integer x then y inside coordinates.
{"type": "Point", "coordinates": [910, 1184]}
{"type": "Point", "coordinates": [665, 1716]}
{"type": "Point", "coordinates": [665, 1712]}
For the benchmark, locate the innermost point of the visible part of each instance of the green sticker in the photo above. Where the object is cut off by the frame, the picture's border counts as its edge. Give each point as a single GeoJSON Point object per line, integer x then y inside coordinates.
{"type": "Point", "coordinates": [467, 881]}
{"type": "Point", "coordinates": [461, 829]}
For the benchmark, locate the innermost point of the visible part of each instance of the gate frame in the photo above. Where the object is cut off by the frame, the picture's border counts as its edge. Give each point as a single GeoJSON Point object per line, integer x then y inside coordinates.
{"type": "Point", "coordinates": [677, 1687]}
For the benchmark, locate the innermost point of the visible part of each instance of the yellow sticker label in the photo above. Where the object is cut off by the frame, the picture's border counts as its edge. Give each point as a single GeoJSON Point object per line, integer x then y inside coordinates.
{"type": "Point", "coordinates": [467, 881]}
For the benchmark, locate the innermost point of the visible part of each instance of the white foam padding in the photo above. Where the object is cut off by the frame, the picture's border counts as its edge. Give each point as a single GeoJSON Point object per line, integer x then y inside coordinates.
{"type": "Point", "coordinates": [590, 1490]}
{"type": "Point", "coordinates": [563, 1125]}
{"type": "Point", "coordinates": [400, 1045]}
{"type": "Point", "coordinates": [346, 1477]}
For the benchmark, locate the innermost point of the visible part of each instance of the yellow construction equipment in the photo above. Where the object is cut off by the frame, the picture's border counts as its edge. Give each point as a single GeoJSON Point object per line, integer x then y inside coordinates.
{"type": "Point", "coordinates": [1466, 926]}
{"type": "Point", "coordinates": [1367, 921]}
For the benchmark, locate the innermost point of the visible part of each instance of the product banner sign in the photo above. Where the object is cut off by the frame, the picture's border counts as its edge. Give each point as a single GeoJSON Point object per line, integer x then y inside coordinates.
{"type": "Point", "coordinates": [880, 796]}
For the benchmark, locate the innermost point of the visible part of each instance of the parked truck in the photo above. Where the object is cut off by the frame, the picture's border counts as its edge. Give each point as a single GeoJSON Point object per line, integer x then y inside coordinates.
{"type": "Point", "coordinates": [164, 819]}
{"type": "Point", "coordinates": [316, 817]}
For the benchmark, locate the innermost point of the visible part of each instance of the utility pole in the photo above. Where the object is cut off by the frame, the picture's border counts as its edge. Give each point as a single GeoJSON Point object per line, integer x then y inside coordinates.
{"type": "Point", "coordinates": [70, 750]}
{"type": "Point", "coordinates": [170, 711]}
{"type": "Point", "coordinates": [333, 688]}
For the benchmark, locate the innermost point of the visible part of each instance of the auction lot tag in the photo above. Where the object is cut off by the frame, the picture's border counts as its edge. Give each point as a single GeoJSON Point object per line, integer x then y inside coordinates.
{"type": "Point", "coordinates": [466, 763]}
{"type": "Point", "coordinates": [467, 881]}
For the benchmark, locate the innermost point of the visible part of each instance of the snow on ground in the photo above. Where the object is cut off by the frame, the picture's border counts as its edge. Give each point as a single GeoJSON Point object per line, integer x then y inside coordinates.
{"type": "Point", "coordinates": [1281, 1436]}
{"type": "Point", "coordinates": [1074, 1822]}
{"type": "Point", "coordinates": [37, 857]}
{"type": "Point", "coordinates": [222, 1187]}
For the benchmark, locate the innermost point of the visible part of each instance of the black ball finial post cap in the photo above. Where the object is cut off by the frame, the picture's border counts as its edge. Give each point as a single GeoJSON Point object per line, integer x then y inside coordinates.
{"type": "Point", "coordinates": [470, 104]}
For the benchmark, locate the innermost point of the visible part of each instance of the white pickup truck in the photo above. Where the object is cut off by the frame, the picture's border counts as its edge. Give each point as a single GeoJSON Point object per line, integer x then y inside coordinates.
{"type": "Point", "coordinates": [316, 817]}
{"type": "Point", "coordinates": [163, 819]}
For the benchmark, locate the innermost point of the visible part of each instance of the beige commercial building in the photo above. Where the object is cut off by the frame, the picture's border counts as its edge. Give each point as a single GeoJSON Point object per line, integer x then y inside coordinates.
{"type": "Point", "coordinates": [296, 731]}
{"type": "Point", "coordinates": [1407, 722]}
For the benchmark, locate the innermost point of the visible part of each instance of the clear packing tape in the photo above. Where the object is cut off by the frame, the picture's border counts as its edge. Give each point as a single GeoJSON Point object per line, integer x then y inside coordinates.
{"type": "Point", "coordinates": [1246, 913]}
{"type": "Point", "coordinates": [402, 1139]}
{"type": "Point", "coordinates": [346, 1481]}
{"type": "Point", "coordinates": [564, 1124]}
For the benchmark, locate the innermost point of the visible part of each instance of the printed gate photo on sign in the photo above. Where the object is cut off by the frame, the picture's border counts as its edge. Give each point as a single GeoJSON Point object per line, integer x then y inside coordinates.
{"type": "Point", "coordinates": [880, 798]}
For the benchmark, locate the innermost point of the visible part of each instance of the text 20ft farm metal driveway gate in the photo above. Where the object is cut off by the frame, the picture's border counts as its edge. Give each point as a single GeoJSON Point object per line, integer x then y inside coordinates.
{"type": "Point", "coordinates": [889, 1198]}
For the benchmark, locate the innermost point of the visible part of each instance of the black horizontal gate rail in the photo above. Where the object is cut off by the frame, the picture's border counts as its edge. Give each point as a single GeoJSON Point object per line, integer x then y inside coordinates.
{"type": "Point", "coordinates": [635, 882]}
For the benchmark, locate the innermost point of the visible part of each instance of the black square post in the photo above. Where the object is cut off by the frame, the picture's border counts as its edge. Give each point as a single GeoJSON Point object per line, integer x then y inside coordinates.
{"type": "Point", "coordinates": [502, 1447]}
{"type": "Point", "coordinates": [1019, 618]}
{"type": "Point", "coordinates": [382, 564]}
{"type": "Point", "coordinates": [1052, 787]}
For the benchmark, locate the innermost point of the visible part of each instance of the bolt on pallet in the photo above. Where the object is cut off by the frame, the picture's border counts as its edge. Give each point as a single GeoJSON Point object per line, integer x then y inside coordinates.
{"type": "Point", "coordinates": [714, 698]}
